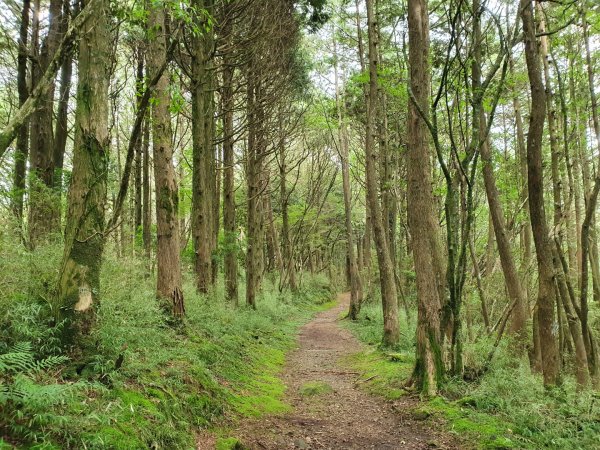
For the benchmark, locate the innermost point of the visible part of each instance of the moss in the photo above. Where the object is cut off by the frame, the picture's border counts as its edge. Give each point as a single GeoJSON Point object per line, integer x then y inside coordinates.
{"type": "Point", "coordinates": [380, 373]}
{"type": "Point", "coordinates": [113, 437]}
{"type": "Point", "coordinates": [229, 444]}
{"type": "Point", "coordinates": [487, 431]}
{"type": "Point", "coordinates": [313, 388]}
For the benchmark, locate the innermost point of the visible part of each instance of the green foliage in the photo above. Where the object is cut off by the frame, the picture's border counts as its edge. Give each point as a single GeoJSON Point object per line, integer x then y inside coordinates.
{"type": "Point", "coordinates": [507, 407]}
{"type": "Point", "coordinates": [31, 401]}
{"type": "Point", "coordinates": [137, 382]}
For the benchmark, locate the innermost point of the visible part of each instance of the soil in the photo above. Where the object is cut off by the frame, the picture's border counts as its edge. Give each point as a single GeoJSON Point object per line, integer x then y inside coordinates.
{"type": "Point", "coordinates": [339, 415]}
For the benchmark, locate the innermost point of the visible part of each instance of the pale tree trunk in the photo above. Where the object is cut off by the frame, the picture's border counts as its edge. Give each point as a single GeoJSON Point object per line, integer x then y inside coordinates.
{"type": "Point", "coordinates": [203, 149]}
{"type": "Point", "coordinates": [168, 286]}
{"type": "Point", "coordinates": [516, 293]}
{"type": "Point", "coordinates": [79, 281]}
{"type": "Point", "coordinates": [275, 257]}
{"type": "Point", "coordinates": [429, 366]}
{"type": "Point", "coordinates": [354, 275]}
{"type": "Point", "coordinates": [217, 169]}
{"type": "Point", "coordinates": [389, 298]}
{"type": "Point", "coordinates": [366, 241]}
{"type": "Point", "coordinates": [546, 294]}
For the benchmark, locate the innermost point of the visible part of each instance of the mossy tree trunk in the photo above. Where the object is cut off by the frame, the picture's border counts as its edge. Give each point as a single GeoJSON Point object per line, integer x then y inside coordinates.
{"type": "Point", "coordinates": [168, 286]}
{"type": "Point", "coordinates": [429, 367]}
{"type": "Point", "coordinates": [79, 283]}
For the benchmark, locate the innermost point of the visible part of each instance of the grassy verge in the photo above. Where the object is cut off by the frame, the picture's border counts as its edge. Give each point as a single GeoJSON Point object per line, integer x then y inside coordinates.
{"type": "Point", "coordinates": [139, 383]}
{"type": "Point", "coordinates": [507, 408]}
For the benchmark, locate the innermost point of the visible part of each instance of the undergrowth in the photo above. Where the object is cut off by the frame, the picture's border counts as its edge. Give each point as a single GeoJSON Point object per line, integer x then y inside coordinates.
{"type": "Point", "coordinates": [138, 382]}
{"type": "Point", "coordinates": [506, 408]}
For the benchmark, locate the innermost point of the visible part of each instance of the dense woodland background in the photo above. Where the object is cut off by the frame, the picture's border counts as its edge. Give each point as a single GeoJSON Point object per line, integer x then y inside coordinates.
{"type": "Point", "coordinates": [182, 183]}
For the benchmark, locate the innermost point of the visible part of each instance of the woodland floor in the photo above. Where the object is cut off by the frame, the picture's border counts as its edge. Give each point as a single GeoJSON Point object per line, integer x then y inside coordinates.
{"type": "Point", "coordinates": [328, 408]}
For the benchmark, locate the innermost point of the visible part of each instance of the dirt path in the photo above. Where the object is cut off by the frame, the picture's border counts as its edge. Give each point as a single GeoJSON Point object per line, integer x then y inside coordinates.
{"type": "Point", "coordinates": [338, 415]}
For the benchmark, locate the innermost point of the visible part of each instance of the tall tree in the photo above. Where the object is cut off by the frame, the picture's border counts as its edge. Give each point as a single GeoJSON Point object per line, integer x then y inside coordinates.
{"type": "Point", "coordinates": [43, 205]}
{"type": "Point", "coordinates": [79, 280]}
{"type": "Point", "coordinates": [546, 300]}
{"type": "Point", "coordinates": [203, 109]}
{"type": "Point", "coordinates": [429, 366]}
{"type": "Point", "coordinates": [389, 298]}
{"type": "Point", "coordinates": [168, 286]}
{"type": "Point", "coordinates": [22, 148]}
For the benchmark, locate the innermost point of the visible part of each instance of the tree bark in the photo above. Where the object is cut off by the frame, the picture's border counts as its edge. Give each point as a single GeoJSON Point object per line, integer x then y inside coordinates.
{"type": "Point", "coordinates": [168, 286]}
{"type": "Point", "coordinates": [61, 132]}
{"type": "Point", "coordinates": [44, 207]}
{"type": "Point", "coordinates": [203, 154]}
{"type": "Point", "coordinates": [546, 293]}
{"type": "Point", "coordinates": [429, 367]}
{"type": "Point", "coordinates": [79, 281]}
{"type": "Point", "coordinates": [353, 273]}
{"type": "Point", "coordinates": [230, 247]}
{"type": "Point", "coordinates": [389, 298]}
{"type": "Point", "coordinates": [22, 148]}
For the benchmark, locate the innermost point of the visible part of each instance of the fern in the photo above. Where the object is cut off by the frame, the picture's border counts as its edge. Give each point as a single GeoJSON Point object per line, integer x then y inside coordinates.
{"type": "Point", "coordinates": [28, 406]}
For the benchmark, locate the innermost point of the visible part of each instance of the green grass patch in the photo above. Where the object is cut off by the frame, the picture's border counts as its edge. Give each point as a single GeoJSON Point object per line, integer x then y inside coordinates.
{"type": "Point", "coordinates": [229, 444]}
{"type": "Point", "coordinates": [487, 431]}
{"type": "Point", "coordinates": [313, 388]}
{"type": "Point", "coordinates": [379, 373]}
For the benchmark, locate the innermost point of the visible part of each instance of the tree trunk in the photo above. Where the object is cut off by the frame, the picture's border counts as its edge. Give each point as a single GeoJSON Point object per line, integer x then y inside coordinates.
{"type": "Point", "coordinates": [254, 179]}
{"type": "Point", "coordinates": [137, 206]}
{"type": "Point", "coordinates": [203, 149]}
{"type": "Point", "coordinates": [62, 126]}
{"type": "Point", "coordinates": [22, 148]}
{"type": "Point", "coordinates": [353, 273]}
{"type": "Point", "coordinates": [389, 298]}
{"type": "Point", "coordinates": [289, 274]}
{"type": "Point", "coordinates": [168, 286]}
{"type": "Point", "coordinates": [147, 194]}
{"type": "Point", "coordinates": [230, 265]}
{"type": "Point", "coordinates": [546, 294]}
{"type": "Point", "coordinates": [44, 209]}
{"type": "Point", "coordinates": [79, 281]}
{"type": "Point", "coordinates": [429, 366]}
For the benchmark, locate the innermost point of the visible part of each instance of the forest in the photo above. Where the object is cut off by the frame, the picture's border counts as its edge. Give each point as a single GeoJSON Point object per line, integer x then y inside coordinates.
{"type": "Point", "coordinates": [299, 224]}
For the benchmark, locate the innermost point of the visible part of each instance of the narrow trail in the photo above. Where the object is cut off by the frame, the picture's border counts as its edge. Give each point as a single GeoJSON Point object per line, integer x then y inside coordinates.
{"type": "Point", "coordinates": [342, 417]}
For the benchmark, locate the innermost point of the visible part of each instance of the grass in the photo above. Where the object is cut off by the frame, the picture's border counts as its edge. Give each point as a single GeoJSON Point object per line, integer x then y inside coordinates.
{"type": "Point", "coordinates": [315, 388]}
{"type": "Point", "coordinates": [172, 380]}
{"type": "Point", "coordinates": [506, 408]}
